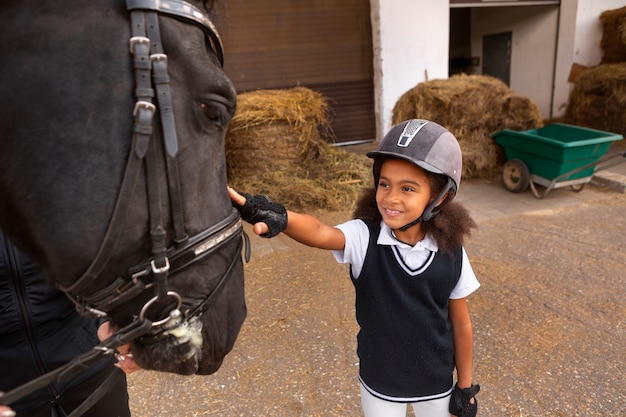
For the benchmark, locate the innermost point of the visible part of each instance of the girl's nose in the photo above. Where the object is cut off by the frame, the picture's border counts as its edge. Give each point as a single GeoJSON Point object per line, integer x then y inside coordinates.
{"type": "Point", "coordinates": [392, 195]}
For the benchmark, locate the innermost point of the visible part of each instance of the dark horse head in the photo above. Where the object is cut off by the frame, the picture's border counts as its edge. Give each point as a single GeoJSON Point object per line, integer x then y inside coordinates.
{"type": "Point", "coordinates": [123, 219]}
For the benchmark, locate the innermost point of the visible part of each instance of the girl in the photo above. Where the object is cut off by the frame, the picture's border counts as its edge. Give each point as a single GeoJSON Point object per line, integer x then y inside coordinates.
{"type": "Point", "coordinates": [409, 269]}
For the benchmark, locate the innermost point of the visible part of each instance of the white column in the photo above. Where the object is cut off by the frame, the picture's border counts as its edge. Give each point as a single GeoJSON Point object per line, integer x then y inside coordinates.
{"type": "Point", "coordinates": [411, 41]}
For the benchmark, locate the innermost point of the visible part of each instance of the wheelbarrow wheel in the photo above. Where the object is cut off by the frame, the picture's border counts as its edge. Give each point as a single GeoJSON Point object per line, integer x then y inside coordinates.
{"type": "Point", "coordinates": [515, 176]}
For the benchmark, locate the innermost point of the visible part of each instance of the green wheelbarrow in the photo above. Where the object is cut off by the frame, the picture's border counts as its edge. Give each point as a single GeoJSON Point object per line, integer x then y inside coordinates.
{"type": "Point", "coordinates": [555, 156]}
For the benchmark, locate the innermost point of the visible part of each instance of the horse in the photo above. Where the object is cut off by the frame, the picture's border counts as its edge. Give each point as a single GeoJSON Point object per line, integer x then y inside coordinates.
{"type": "Point", "coordinates": [113, 170]}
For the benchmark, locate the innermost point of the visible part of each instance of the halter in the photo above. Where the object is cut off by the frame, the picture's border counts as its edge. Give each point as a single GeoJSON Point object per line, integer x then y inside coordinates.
{"type": "Point", "coordinates": [151, 78]}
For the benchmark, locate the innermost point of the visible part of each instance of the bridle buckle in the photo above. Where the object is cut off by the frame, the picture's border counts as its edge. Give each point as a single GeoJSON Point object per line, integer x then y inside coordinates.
{"type": "Point", "coordinates": [160, 270]}
{"type": "Point", "coordinates": [137, 40]}
{"type": "Point", "coordinates": [143, 105]}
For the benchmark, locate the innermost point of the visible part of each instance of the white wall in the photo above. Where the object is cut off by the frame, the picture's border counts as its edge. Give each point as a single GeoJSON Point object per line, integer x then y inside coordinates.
{"type": "Point", "coordinates": [534, 32]}
{"type": "Point", "coordinates": [410, 41]}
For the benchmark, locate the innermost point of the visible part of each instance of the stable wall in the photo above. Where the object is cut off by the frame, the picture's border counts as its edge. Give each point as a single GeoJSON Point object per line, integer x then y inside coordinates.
{"type": "Point", "coordinates": [410, 41]}
{"type": "Point", "coordinates": [411, 44]}
{"type": "Point", "coordinates": [534, 39]}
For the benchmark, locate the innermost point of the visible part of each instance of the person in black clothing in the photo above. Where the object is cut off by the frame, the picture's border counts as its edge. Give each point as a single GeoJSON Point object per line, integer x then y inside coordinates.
{"type": "Point", "coordinates": [41, 330]}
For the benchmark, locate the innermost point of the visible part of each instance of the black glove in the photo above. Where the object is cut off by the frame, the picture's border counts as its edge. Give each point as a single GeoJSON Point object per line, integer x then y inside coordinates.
{"type": "Point", "coordinates": [460, 404]}
{"type": "Point", "coordinates": [260, 208]}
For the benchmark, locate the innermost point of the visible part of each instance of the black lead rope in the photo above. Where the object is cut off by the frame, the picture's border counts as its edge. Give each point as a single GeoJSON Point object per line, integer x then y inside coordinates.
{"type": "Point", "coordinates": [80, 363]}
{"type": "Point", "coordinates": [95, 396]}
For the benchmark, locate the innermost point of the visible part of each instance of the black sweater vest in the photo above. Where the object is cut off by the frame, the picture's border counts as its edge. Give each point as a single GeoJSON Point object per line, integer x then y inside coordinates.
{"type": "Point", "coordinates": [405, 345]}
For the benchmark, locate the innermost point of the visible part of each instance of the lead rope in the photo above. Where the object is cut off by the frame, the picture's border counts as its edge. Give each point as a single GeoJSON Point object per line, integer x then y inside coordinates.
{"type": "Point", "coordinates": [79, 363]}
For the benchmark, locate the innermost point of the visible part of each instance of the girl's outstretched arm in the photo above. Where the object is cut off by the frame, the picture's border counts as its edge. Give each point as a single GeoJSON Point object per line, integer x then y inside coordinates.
{"type": "Point", "coordinates": [301, 227]}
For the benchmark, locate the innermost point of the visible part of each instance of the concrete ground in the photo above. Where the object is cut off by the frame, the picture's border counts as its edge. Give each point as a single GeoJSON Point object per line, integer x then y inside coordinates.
{"type": "Point", "coordinates": [549, 319]}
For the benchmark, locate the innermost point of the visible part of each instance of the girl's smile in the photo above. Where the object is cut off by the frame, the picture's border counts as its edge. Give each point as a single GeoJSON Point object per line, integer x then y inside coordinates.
{"type": "Point", "coordinates": [402, 194]}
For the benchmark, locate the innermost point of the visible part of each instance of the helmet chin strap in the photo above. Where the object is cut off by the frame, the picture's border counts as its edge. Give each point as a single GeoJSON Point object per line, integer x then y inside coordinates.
{"type": "Point", "coordinates": [430, 210]}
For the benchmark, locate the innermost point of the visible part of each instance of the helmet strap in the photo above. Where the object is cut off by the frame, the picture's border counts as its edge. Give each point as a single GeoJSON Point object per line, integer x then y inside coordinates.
{"type": "Point", "coordinates": [431, 210]}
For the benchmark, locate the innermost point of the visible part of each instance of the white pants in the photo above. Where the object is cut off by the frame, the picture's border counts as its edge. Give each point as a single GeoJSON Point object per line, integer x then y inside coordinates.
{"type": "Point", "coordinates": [375, 407]}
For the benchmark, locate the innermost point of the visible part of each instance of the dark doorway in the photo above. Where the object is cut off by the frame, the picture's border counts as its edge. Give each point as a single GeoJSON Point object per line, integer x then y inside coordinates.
{"type": "Point", "coordinates": [497, 56]}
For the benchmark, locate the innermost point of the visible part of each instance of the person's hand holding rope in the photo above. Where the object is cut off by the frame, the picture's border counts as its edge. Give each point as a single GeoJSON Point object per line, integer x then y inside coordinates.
{"type": "Point", "coordinates": [124, 358]}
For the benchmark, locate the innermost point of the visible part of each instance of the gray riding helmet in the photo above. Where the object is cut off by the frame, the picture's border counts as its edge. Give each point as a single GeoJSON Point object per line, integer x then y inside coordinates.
{"type": "Point", "coordinates": [425, 144]}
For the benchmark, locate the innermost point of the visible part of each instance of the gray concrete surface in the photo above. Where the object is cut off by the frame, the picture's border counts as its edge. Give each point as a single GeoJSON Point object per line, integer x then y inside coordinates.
{"type": "Point", "coordinates": [549, 318]}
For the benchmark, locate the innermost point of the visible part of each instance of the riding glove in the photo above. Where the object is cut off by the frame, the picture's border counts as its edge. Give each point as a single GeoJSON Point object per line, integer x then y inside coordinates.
{"type": "Point", "coordinates": [260, 208]}
{"type": "Point", "coordinates": [460, 401]}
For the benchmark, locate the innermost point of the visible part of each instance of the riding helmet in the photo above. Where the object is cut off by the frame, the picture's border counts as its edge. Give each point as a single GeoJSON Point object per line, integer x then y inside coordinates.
{"type": "Point", "coordinates": [428, 145]}
{"type": "Point", "coordinates": [425, 144]}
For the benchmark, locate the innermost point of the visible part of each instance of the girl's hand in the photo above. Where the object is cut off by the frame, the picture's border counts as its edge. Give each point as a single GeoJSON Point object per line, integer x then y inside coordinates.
{"type": "Point", "coordinates": [235, 197]}
{"type": "Point", "coordinates": [267, 217]}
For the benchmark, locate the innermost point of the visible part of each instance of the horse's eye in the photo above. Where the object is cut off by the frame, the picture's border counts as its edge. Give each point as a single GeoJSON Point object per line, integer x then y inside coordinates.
{"type": "Point", "coordinates": [216, 112]}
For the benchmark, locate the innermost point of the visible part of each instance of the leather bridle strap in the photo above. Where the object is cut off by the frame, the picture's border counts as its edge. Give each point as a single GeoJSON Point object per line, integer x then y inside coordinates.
{"type": "Point", "coordinates": [187, 12]}
{"type": "Point", "coordinates": [161, 81]}
{"type": "Point", "coordinates": [144, 112]}
{"type": "Point", "coordinates": [198, 247]}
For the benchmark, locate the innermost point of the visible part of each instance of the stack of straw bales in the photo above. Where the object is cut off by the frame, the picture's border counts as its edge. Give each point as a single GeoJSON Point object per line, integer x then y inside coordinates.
{"type": "Point", "coordinates": [598, 99]}
{"type": "Point", "coordinates": [278, 144]}
{"type": "Point", "coordinates": [613, 41]}
{"type": "Point", "coordinates": [472, 107]}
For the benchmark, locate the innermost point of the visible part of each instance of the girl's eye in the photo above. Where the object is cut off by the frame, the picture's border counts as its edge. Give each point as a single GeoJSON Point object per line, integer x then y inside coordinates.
{"type": "Point", "coordinates": [383, 184]}
{"type": "Point", "coordinates": [407, 189]}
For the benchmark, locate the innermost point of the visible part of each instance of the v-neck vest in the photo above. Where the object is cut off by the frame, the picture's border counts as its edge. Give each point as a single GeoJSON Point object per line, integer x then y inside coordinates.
{"type": "Point", "coordinates": [405, 344]}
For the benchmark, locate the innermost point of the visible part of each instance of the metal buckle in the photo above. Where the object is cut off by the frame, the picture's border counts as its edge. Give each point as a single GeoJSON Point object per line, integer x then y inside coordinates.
{"type": "Point", "coordinates": [146, 105]}
{"type": "Point", "coordinates": [137, 40]}
{"type": "Point", "coordinates": [158, 57]}
{"type": "Point", "coordinates": [164, 268]}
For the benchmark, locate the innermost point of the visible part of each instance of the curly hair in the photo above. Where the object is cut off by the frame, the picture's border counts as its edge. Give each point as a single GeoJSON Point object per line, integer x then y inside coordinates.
{"type": "Point", "coordinates": [449, 227]}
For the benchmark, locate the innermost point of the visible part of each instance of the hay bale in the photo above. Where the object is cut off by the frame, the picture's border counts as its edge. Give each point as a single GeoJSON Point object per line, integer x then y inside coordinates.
{"type": "Point", "coordinates": [278, 144]}
{"type": "Point", "coordinates": [613, 41]}
{"type": "Point", "coordinates": [598, 100]}
{"type": "Point", "coordinates": [472, 107]}
{"type": "Point", "coordinates": [272, 128]}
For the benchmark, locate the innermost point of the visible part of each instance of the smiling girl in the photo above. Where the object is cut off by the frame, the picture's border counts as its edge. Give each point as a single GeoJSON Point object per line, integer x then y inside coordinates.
{"type": "Point", "coordinates": [410, 271]}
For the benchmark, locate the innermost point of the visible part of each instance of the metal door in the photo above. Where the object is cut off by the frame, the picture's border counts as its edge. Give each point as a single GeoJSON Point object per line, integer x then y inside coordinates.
{"type": "Point", "coordinates": [497, 56]}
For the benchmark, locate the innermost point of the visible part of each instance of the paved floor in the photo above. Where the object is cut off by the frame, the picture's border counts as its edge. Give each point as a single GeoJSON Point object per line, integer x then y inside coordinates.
{"type": "Point", "coordinates": [548, 319]}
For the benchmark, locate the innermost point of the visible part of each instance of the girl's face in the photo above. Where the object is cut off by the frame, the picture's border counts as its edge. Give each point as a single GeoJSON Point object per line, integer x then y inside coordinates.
{"type": "Point", "coordinates": [402, 194]}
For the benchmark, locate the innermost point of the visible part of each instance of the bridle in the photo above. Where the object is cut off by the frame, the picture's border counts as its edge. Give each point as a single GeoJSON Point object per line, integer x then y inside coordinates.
{"type": "Point", "coordinates": [151, 81]}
